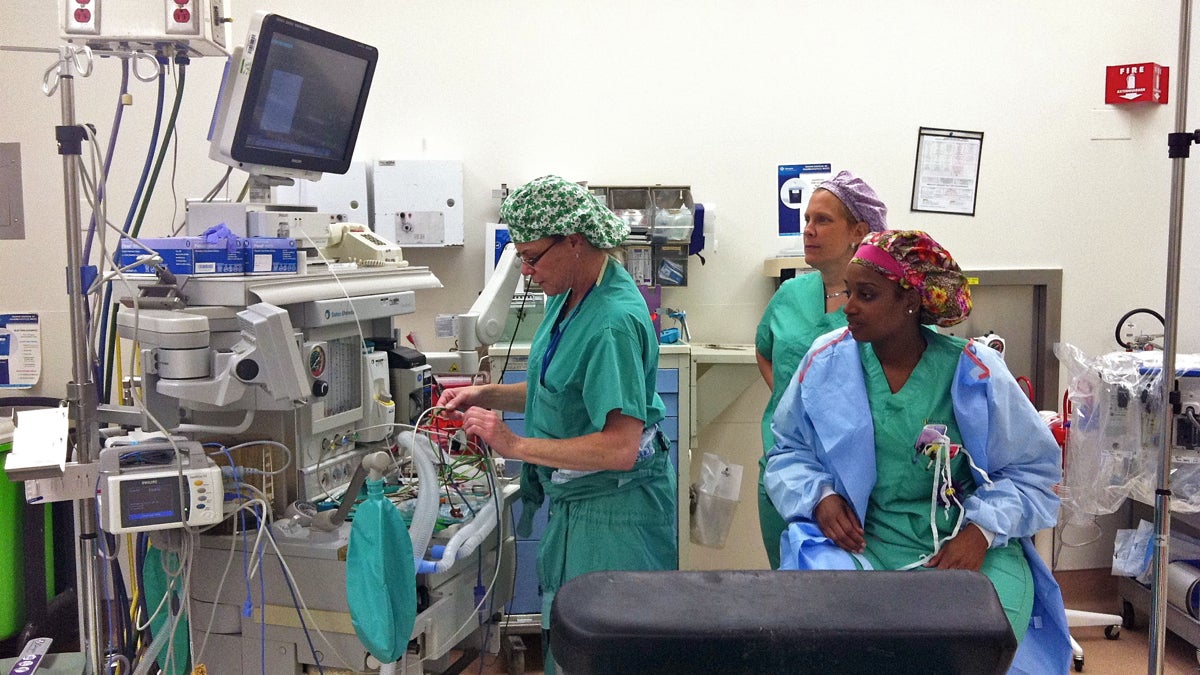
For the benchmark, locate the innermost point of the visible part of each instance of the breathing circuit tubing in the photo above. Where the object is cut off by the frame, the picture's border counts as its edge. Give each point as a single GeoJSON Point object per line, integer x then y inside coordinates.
{"type": "Point", "coordinates": [466, 539]}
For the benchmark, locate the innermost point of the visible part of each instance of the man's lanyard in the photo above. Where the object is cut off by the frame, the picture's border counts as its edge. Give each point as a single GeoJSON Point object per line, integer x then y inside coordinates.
{"type": "Point", "coordinates": [560, 327]}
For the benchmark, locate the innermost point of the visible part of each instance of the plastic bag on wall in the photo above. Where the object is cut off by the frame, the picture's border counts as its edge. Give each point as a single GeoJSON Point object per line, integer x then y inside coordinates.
{"type": "Point", "coordinates": [714, 500]}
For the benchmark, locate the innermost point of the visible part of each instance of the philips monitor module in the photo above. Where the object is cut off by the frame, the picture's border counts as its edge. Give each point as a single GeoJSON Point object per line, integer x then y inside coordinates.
{"type": "Point", "coordinates": [292, 100]}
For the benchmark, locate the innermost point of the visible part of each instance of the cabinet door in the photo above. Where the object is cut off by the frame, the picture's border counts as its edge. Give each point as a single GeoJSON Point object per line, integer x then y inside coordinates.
{"type": "Point", "coordinates": [668, 391]}
{"type": "Point", "coordinates": [527, 594]}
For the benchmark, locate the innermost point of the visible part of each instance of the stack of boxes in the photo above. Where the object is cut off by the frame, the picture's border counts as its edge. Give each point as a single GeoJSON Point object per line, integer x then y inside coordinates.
{"type": "Point", "coordinates": [198, 255]}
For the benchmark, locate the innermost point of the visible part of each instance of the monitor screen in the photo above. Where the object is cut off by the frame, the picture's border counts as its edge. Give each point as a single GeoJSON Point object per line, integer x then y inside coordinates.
{"type": "Point", "coordinates": [292, 101]}
{"type": "Point", "coordinates": [153, 501]}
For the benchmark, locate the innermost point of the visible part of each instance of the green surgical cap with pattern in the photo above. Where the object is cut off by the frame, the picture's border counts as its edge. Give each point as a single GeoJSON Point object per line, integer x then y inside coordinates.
{"type": "Point", "coordinates": [550, 205]}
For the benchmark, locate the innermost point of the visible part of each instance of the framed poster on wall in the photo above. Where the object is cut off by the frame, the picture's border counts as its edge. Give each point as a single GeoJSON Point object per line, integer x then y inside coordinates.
{"type": "Point", "coordinates": [946, 176]}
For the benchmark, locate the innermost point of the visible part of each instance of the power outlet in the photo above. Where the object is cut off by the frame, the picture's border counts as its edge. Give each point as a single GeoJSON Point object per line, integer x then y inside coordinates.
{"type": "Point", "coordinates": [181, 17]}
{"type": "Point", "coordinates": [81, 17]}
{"type": "Point", "coordinates": [164, 27]}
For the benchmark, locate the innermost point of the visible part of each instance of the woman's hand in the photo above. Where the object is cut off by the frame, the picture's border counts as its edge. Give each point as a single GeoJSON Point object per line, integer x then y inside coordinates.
{"type": "Point", "coordinates": [459, 399]}
{"type": "Point", "coordinates": [964, 552]}
{"type": "Point", "coordinates": [487, 425]}
{"type": "Point", "coordinates": [838, 522]}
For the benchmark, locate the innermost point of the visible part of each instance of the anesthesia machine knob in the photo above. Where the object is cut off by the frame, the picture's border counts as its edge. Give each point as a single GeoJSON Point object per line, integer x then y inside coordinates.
{"type": "Point", "coordinates": [320, 388]}
{"type": "Point", "coordinates": [246, 370]}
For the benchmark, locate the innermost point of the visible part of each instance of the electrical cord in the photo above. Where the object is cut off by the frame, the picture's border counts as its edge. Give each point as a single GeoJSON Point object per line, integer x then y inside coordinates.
{"type": "Point", "coordinates": [488, 591]}
{"type": "Point", "coordinates": [169, 133]}
{"type": "Point", "coordinates": [109, 330]}
{"type": "Point", "coordinates": [108, 155]}
{"type": "Point", "coordinates": [1125, 317]}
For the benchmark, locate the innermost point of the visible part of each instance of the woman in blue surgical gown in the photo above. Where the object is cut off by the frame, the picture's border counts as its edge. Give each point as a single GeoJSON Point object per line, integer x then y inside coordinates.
{"type": "Point", "coordinates": [897, 447]}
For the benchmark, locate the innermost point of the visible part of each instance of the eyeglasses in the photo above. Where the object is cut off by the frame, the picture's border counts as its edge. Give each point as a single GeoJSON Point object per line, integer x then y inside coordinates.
{"type": "Point", "coordinates": [532, 262]}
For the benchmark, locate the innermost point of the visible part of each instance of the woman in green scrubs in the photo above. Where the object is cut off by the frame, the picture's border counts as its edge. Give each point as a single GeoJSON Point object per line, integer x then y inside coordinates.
{"type": "Point", "coordinates": [591, 409]}
{"type": "Point", "coordinates": [840, 212]}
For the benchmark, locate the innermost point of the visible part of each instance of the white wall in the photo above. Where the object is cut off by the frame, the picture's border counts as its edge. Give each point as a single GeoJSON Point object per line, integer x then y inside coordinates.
{"type": "Point", "coordinates": [712, 94]}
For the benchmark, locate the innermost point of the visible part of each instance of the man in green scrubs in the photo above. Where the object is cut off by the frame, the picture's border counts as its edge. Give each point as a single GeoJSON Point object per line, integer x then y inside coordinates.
{"type": "Point", "coordinates": [591, 410]}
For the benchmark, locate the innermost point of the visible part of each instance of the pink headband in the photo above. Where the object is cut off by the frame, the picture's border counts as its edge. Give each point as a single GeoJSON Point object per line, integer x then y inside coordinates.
{"type": "Point", "coordinates": [877, 256]}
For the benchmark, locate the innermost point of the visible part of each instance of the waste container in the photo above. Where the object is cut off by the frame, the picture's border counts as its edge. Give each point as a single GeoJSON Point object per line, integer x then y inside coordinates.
{"type": "Point", "coordinates": [12, 570]}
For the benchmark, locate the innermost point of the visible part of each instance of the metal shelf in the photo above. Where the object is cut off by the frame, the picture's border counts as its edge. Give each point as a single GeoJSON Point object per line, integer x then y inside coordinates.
{"type": "Point", "coordinates": [1136, 599]}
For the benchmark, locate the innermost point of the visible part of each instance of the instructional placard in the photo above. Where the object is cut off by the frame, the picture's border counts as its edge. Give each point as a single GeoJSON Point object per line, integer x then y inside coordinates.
{"type": "Point", "coordinates": [20, 350]}
{"type": "Point", "coordinates": [796, 184]}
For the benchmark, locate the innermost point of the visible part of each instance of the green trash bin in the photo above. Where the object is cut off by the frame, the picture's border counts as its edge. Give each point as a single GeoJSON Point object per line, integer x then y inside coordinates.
{"type": "Point", "coordinates": [12, 570]}
{"type": "Point", "coordinates": [13, 516]}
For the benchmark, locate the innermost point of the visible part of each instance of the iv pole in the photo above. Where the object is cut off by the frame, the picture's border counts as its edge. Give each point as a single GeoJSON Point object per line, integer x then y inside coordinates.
{"type": "Point", "coordinates": [81, 392]}
{"type": "Point", "coordinates": [1178, 149]}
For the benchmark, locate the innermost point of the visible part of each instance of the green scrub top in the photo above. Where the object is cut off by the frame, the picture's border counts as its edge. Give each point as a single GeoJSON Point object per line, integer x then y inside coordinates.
{"type": "Point", "coordinates": [793, 320]}
{"type": "Point", "coordinates": [897, 527]}
{"type": "Point", "coordinates": [606, 358]}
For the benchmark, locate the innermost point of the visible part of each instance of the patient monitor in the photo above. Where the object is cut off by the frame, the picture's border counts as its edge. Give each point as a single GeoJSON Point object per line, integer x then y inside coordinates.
{"type": "Point", "coordinates": [159, 485]}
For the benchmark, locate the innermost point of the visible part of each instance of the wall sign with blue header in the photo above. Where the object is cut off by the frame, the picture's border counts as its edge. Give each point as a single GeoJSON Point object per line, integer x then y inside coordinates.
{"type": "Point", "coordinates": [796, 184]}
{"type": "Point", "coordinates": [496, 237]}
{"type": "Point", "coordinates": [20, 351]}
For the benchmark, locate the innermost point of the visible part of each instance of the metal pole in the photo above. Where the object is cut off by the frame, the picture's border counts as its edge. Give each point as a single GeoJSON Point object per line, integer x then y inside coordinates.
{"type": "Point", "coordinates": [1162, 496]}
{"type": "Point", "coordinates": [81, 392]}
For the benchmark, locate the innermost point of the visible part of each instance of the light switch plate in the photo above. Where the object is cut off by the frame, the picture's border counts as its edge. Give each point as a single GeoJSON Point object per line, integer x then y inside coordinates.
{"type": "Point", "coordinates": [12, 210]}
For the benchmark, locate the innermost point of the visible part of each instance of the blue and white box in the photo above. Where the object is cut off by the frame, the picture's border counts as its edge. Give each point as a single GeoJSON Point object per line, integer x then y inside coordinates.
{"type": "Point", "coordinates": [270, 255]}
{"type": "Point", "coordinates": [176, 254]}
{"type": "Point", "coordinates": [186, 255]}
{"type": "Point", "coordinates": [223, 256]}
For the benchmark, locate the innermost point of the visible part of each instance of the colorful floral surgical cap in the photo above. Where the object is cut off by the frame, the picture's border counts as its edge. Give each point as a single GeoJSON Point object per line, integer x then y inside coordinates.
{"type": "Point", "coordinates": [858, 197]}
{"type": "Point", "coordinates": [914, 260]}
{"type": "Point", "coordinates": [550, 205]}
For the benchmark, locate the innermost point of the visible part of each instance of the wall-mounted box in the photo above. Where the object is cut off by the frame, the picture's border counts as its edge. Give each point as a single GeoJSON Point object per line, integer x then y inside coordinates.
{"type": "Point", "coordinates": [418, 202]}
{"type": "Point", "coordinates": [342, 195]}
{"type": "Point", "coordinates": [639, 262]}
{"type": "Point", "coordinates": [1136, 83]}
{"type": "Point", "coordinates": [634, 205]}
{"type": "Point", "coordinates": [674, 214]}
{"type": "Point", "coordinates": [657, 213]}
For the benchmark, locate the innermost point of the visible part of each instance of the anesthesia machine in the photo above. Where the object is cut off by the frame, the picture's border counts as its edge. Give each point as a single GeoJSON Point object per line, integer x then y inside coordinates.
{"type": "Point", "coordinates": [261, 367]}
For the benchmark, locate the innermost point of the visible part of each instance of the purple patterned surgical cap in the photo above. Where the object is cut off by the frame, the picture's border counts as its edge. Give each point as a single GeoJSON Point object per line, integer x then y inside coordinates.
{"type": "Point", "coordinates": [858, 197]}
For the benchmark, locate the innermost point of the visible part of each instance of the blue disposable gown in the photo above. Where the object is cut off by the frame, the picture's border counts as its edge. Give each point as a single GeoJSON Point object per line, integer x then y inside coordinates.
{"type": "Point", "coordinates": [824, 437]}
